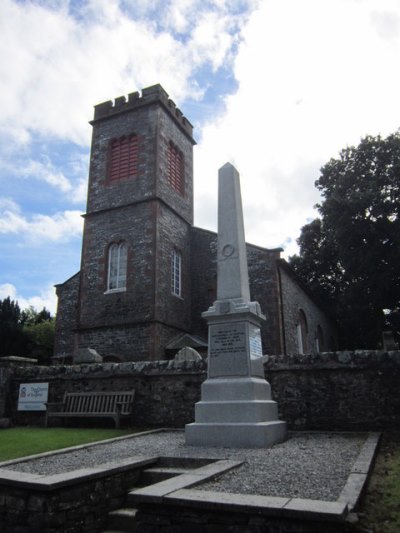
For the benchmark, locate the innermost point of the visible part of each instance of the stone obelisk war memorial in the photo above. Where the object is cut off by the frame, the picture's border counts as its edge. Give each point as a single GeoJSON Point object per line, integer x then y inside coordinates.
{"type": "Point", "coordinates": [236, 409]}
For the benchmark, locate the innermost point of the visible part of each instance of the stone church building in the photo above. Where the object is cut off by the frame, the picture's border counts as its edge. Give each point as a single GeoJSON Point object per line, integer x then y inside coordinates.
{"type": "Point", "coordinates": [146, 272]}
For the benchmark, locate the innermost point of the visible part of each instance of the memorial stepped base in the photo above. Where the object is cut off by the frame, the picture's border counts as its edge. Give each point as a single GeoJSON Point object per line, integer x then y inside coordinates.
{"type": "Point", "coordinates": [236, 435]}
{"type": "Point", "coordinates": [233, 412]}
{"type": "Point", "coordinates": [236, 413]}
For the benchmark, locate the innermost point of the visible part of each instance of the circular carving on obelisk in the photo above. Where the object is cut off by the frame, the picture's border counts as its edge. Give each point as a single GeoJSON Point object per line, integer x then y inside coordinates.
{"type": "Point", "coordinates": [228, 250]}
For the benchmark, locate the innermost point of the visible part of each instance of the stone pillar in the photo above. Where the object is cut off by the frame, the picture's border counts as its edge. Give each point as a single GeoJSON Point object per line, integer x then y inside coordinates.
{"type": "Point", "coordinates": [236, 409]}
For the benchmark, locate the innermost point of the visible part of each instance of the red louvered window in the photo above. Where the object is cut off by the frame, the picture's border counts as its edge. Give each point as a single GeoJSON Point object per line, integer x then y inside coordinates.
{"type": "Point", "coordinates": [123, 158]}
{"type": "Point", "coordinates": [175, 168]}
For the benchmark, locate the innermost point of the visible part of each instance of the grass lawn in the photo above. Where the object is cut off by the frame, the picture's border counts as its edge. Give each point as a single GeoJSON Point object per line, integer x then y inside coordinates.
{"type": "Point", "coordinates": [380, 509]}
{"type": "Point", "coordinates": [21, 441]}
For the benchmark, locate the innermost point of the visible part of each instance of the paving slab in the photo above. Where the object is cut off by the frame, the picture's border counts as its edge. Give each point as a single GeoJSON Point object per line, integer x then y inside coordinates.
{"type": "Point", "coordinates": [226, 501]}
{"type": "Point", "coordinates": [158, 490]}
{"type": "Point", "coordinates": [49, 482]}
{"type": "Point", "coordinates": [360, 471]}
{"type": "Point", "coordinates": [316, 509]}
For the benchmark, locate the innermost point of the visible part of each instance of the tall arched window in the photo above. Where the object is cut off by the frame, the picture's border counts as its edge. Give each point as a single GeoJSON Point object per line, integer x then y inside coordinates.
{"type": "Point", "coordinates": [176, 273]}
{"type": "Point", "coordinates": [302, 332]}
{"type": "Point", "coordinates": [117, 260]}
{"type": "Point", "coordinates": [319, 339]}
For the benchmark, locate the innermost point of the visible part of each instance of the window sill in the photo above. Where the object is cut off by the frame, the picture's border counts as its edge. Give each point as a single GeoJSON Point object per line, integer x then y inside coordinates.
{"type": "Point", "coordinates": [177, 296]}
{"type": "Point", "coordinates": [112, 291]}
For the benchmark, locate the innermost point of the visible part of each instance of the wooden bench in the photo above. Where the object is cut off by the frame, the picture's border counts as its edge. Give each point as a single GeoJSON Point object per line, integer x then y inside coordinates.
{"type": "Point", "coordinates": [115, 405]}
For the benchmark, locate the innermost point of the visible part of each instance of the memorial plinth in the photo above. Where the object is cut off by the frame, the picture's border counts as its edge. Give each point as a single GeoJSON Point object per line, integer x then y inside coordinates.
{"type": "Point", "coordinates": [236, 409]}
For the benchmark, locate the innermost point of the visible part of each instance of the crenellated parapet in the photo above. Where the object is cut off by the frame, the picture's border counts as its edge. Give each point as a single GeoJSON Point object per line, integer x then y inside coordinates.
{"type": "Point", "coordinates": [149, 95]}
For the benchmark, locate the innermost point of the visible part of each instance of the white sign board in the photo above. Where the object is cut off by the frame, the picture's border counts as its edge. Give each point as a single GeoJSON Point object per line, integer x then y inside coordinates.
{"type": "Point", "coordinates": [33, 396]}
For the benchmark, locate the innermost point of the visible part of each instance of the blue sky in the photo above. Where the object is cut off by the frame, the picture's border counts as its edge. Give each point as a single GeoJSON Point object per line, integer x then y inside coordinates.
{"type": "Point", "coordinates": [276, 87]}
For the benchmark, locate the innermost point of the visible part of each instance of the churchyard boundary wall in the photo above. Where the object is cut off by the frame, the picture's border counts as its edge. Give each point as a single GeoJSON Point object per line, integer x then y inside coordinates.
{"type": "Point", "coordinates": [337, 391]}
{"type": "Point", "coordinates": [74, 501]}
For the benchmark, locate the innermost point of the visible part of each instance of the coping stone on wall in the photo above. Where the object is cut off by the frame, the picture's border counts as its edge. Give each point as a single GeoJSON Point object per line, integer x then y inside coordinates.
{"type": "Point", "coordinates": [344, 359]}
{"type": "Point", "coordinates": [113, 369]}
{"type": "Point", "coordinates": [15, 360]}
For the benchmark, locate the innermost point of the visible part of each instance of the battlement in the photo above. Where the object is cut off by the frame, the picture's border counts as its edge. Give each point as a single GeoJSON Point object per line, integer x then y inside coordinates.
{"type": "Point", "coordinates": [150, 95]}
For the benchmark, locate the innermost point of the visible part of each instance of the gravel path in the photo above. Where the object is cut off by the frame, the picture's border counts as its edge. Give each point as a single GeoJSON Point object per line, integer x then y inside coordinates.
{"type": "Point", "coordinates": [307, 465]}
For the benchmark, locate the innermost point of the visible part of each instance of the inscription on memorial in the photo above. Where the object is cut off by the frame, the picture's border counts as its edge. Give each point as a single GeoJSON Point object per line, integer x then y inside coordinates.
{"type": "Point", "coordinates": [257, 367]}
{"type": "Point", "coordinates": [255, 341]}
{"type": "Point", "coordinates": [228, 350]}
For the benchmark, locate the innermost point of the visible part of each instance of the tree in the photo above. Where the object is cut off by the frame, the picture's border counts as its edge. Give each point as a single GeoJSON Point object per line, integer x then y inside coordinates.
{"type": "Point", "coordinates": [351, 255]}
{"type": "Point", "coordinates": [26, 333]}
{"type": "Point", "coordinates": [38, 327]}
{"type": "Point", "coordinates": [12, 339]}
{"type": "Point", "coordinates": [31, 316]}
{"type": "Point", "coordinates": [41, 337]}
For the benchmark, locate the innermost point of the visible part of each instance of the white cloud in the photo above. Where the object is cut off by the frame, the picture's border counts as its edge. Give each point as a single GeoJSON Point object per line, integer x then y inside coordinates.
{"type": "Point", "coordinates": [210, 39]}
{"type": "Point", "coordinates": [80, 191]}
{"type": "Point", "coordinates": [11, 220]}
{"type": "Point", "coordinates": [312, 77]}
{"type": "Point", "coordinates": [46, 298]}
{"type": "Point", "coordinates": [7, 290]}
{"type": "Point", "coordinates": [39, 228]}
{"type": "Point", "coordinates": [47, 173]}
{"type": "Point", "coordinates": [62, 65]}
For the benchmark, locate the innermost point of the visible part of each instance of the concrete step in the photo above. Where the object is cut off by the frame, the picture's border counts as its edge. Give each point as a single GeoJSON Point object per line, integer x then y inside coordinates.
{"type": "Point", "coordinates": [123, 520]}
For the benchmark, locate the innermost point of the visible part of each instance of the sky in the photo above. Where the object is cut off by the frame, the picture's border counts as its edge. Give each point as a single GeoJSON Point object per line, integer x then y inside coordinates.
{"type": "Point", "coordinates": [275, 87]}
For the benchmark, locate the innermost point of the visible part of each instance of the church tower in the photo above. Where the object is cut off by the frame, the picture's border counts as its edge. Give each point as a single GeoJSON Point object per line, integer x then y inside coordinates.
{"type": "Point", "coordinates": [134, 286]}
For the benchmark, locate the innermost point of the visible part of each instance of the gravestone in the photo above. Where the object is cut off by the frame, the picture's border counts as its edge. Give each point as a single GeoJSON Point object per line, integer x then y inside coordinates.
{"type": "Point", "coordinates": [187, 354]}
{"type": "Point", "coordinates": [87, 355]}
{"type": "Point", "coordinates": [236, 409]}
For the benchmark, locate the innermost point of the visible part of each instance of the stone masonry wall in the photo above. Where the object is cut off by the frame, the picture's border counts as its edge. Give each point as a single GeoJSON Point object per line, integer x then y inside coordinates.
{"type": "Point", "coordinates": [328, 391]}
{"type": "Point", "coordinates": [99, 307]}
{"type": "Point", "coordinates": [82, 507]}
{"type": "Point", "coordinates": [130, 342]}
{"type": "Point", "coordinates": [295, 298]}
{"type": "Point", "coordinates": [173, 234]}
{"type": "Point", "coordinates": [337, 390]}
{"type": "Point", "coordinates": [66, 316]}
{"type": "Point", "coordinates": [165, 391]}
{"type": "Point", "coordinates": [5, 378]}
{"type": "Point", "coordinates": [263, 278]}
{"type": "Point", "coordinates": [167, 517]}
{"type": "Point", "coordinates": [203, 276]}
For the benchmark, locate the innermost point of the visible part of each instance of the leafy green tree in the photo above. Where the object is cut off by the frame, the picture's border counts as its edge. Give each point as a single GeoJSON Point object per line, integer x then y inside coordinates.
{"type": "Point", "coordinates": [41, 337]}
{"type": "Point", "coordinates": [351, 255]}
{"type": "Point", "coordinates": [31, 316]}
{"type": "Point", "coordinates": [12, 339]}
{"type": "Point", "coordinates": [26, 333]}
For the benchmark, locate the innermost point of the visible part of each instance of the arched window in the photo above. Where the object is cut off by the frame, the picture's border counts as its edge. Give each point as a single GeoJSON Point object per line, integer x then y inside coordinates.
{"type": "Point", "coordinates": [176, 273]}
{"type": "Point", "coordinates": [123, 158]}
{"type": "Point", "coordinates": [175, 168]}
{"type": "Point", "coordinates": [117, 260]}
{"type": "Point", "coordinates": [319, 339]}
{"type": "Point", "coordinates": [302, 332]}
